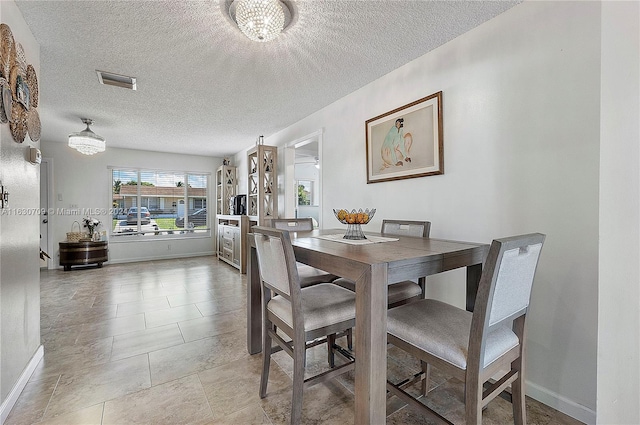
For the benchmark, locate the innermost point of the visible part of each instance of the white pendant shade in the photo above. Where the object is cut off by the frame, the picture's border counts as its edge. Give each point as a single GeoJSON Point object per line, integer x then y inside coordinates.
{"type": "Point", "coordinates": [86, 141]}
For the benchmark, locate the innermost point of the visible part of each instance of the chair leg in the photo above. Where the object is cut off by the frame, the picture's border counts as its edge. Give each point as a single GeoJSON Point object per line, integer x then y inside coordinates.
{"type": "Point", "coordinates": [298, 384]}
{"type": "Point", "coordinates": [473, 402]}
{"type": "Point", "coordinates": [426, 369]}
{"type": "Point", "coordinates": [331, 340]}
{"type": "Point", "coordinates": [266, 360]}
{"type": "Point", "coordinates": [518, 401]}
{"type": "Point", "coordinates": [517, 386]}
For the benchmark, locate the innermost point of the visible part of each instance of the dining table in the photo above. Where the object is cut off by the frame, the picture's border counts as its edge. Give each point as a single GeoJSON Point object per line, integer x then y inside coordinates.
{"type": "Point", "coordinates": [372, 266]}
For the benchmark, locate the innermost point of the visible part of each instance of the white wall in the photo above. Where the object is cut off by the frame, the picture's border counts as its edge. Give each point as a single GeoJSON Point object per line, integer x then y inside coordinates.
{"type": "Point", "coordinates": [521, 97]}
{"type": "Point", "coordinates": [619, 273]}
{"type": "Point", "coordinates": [84, 181]}
{"type": "Point", "coordinates": [19, 243]}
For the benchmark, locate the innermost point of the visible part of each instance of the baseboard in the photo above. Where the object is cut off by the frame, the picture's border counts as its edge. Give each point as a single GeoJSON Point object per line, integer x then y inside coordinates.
{"type": "Point", "coordinates": [15, 392]}
{"type": "Point", "coordinates": [156, 257]}
{"type": "Point", "coordinates": [562, 404]}
{"type": "Point", "coordinates": [162, 257]}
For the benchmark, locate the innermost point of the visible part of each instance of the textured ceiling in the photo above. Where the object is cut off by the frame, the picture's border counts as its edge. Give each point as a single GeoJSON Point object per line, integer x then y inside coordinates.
{"type": "Point", "coordinates": [203, 87]}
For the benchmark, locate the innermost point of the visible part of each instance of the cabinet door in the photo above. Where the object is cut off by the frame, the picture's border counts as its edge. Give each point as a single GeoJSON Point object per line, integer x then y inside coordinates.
{"type": "Point", "coordinates": [220, 239]}
{"type": "Point", "coordinates": [236, 246]}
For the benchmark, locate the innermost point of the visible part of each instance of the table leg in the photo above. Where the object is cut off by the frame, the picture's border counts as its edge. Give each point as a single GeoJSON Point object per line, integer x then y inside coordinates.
{"type": "Point", "coordinates": [371, 346]}
{"type": "Point", "coordinates": [254, 307]}
{"type": "Point", "coordinates": [473, 280]}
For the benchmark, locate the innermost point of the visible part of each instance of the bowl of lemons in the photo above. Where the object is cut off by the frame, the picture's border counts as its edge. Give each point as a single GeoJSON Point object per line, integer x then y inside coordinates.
{"type": "Point", "coordinates": [354, 220]}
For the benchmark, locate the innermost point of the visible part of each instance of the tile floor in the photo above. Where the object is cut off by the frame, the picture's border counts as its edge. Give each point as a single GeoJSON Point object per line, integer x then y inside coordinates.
{"type": "Point", "coordinates": [163, 342]}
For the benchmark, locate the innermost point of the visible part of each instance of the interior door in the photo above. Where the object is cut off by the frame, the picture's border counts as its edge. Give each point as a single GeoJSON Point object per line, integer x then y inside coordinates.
{"type": "Point", "coordinates": [44, 210]}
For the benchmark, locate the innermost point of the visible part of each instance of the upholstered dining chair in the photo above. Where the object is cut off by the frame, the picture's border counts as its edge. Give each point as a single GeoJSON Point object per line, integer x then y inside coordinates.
{"type": "Point", "coordinates": [308, 275]}
{"type": "Point", "coordinates": [474, 347]}
{"type": "Point", "coordinates": [302, 314]}
{"type": "Point", "coordinates": [405, 291]}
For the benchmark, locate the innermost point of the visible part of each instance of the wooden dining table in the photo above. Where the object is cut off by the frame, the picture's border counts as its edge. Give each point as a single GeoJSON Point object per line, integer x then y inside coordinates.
{"type": "Point", "coordinates": [372, 267]}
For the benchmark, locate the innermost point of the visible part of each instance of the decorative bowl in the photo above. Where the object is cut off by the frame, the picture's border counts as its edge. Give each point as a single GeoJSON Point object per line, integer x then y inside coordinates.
{"type": "Point", "coordinates": [353, 220]}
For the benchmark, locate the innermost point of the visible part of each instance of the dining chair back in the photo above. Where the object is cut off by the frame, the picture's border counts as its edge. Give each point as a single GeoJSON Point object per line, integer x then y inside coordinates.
{"type": "Point", "coordinates": [306, 316]}
{"type": "Point", "coordinates": [275, 270]}
{"type": "Point", "coordinates": [476, 347]}
{"type": "Point", "coordinates": [406, 291]}
{"type": "Point", "coordinates": [418, 229]}
{"type": "Point", "coordinates": [293, 224]}
{"type": "Point", "coordinates": [308, 275]}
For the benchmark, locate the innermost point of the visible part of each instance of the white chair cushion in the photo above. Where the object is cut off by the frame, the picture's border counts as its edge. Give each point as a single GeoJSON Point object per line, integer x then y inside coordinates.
{"type": "Point", "coordinates": [323, 305]}
{"type": "Point", "coordinates": [311, 276]}
{"type": "Point", "coordinates": [443, 331]}
{"type": "Point", "coordinates": [397, 291]}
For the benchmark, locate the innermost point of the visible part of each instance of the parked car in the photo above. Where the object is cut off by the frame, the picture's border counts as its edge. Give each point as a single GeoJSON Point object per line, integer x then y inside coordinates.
{"type": "Point", "coordinates": [195, 219]}
{"type": "Point", "coordinates": [132, 215]}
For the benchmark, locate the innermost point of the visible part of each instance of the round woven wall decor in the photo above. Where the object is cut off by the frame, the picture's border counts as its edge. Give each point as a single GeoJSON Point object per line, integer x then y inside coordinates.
{"type": "Point", "coordinates": [32, 83]}
{"type": "Point", "coordinates": [6, 50]}
{"type": "Point", "coordinates": [13, 81]}
{"type": "Point", "coordinates": [18, 123]}
{"type": "Point", "coordinates": [33, 124]}
{"type": "Point", "coordinates": [4, 117]}
{"type": "Point", "coordinates": [21, 59]}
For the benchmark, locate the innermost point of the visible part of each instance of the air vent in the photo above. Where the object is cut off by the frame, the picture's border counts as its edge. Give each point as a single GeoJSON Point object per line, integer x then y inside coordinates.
{"type": "Point", "coordinates": [111, 79]}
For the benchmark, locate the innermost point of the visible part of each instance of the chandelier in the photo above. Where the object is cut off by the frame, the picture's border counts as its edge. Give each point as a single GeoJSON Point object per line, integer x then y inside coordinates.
{"type": "Point", "coordinates": [260, 20]}
{"type": "Point", "coordinates": [86, 141]}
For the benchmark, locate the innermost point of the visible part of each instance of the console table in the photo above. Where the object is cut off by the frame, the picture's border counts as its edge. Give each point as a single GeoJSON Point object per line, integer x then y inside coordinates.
{"type": "Point", "coordinates": [82, 253]}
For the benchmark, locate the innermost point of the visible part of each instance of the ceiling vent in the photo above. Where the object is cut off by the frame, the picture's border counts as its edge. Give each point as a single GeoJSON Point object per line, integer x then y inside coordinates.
{"type": "Point", "coordinates": [111, 79]}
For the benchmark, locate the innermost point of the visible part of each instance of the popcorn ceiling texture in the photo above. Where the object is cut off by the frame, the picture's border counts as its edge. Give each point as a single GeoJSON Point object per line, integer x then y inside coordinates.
{"type": "Point", "coordinates": [203, 87]}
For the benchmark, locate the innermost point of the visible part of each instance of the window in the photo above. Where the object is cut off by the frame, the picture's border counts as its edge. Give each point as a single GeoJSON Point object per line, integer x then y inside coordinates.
{"type": "Point", "coordinates": [168, 203]}
{"type": "Point", "coordinates": [305, 192]}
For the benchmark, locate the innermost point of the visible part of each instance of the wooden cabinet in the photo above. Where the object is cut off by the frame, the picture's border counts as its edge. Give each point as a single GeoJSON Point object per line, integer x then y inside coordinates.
{"type": "Point", "coordinates": [226, 187]}
{"type": "Point", "coordinates": [232, 234]}
{"type": "Point", "coordinates": [83, 253]}
{"type": "Point", "coordinates": [262, 200]}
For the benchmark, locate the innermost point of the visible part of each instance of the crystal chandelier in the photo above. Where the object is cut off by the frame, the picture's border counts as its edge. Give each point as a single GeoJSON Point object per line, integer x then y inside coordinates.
{"type": "Point", "coordinates": [260, 20]}
{"type": "Point", "coordinates": [86, 141]}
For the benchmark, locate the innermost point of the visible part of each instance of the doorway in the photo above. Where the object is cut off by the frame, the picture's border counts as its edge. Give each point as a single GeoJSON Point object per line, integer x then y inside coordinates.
{"type": "Point", "coordinates": [46, 198]}
{"type": "Point", "coordinates": [303, 177]}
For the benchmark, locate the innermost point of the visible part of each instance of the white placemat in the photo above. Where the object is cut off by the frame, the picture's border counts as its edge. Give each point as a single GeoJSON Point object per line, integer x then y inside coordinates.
{"type": "Point", "coordinates": [369, 240]}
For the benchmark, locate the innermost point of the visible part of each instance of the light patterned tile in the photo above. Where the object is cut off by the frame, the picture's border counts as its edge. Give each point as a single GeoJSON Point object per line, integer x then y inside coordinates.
{"type": "Point", "coordinates": [67, 358]}
{"type": "Point", "coordinates": [96, 384]}
{"type": "Point", "coordinates": [213, 325]}
{"type": "Point", "coordinates": [145, 341]}
{"type": "Point", "coordinates": [164, 291]}
{"type": "Point", "coordinates": [326, 403]}
{"type": "Point", "coordinates": [111, 327]}
{"type": "Point", "coordinates": [251, 415]}
{"type": "Point", "coordinates": [236, 385]}
{"type": "Point", "coordinates": [32, 402]}
{"type": "Point", "coordinates": [171, 315]}
{"type": "Point", "coordinates": [176, 402]}
{"type": "Point", "coordinates": [222, 305]}
{"type": "Point", "coordinates": [191, 357]}
{"type": "Point", "coordinates": [229, 377]}
{"type": "Point", "coordinates": [87, 416]}
{"type": "Point", "coordinates": [136, 307]}
{"type": "Point", "coordinates": [189, 298]}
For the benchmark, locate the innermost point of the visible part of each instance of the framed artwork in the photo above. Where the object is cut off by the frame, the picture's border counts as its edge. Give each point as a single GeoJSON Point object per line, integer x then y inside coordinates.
{"type": "Point", "coordinates": [406, 142]}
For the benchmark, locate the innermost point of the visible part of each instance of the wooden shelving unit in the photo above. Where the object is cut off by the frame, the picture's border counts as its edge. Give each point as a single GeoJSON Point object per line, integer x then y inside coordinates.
{"type": "Point", "coordinates": [226, 187]}
{"type": "Point", "coordinates": [262, 200]}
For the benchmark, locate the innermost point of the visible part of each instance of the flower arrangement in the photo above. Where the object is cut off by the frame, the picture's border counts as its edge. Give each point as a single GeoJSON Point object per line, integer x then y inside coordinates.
{"type": "Point", "coordinates": [91, 224]}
